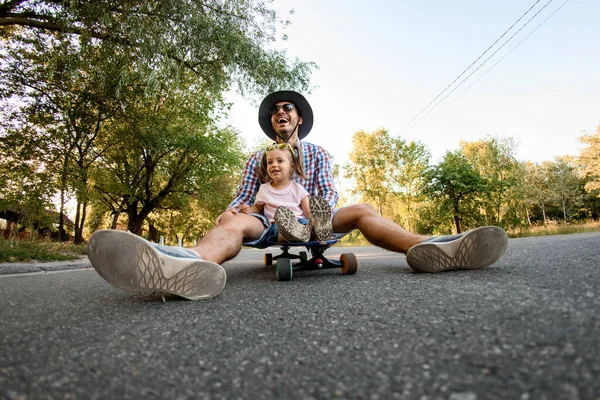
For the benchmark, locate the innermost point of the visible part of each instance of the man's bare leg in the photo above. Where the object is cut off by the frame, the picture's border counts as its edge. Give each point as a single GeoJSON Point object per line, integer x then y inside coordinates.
{"type": "Point", "coordinates": [474, 249]}
{"type": "Point", "coordinates": [224, 241]}
{"type": "Point", "coordinates": [376, 229]}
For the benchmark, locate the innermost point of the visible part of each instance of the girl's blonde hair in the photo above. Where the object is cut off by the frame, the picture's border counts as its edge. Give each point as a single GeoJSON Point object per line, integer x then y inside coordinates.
{"type": "Point", "coordinates": [297, 161]}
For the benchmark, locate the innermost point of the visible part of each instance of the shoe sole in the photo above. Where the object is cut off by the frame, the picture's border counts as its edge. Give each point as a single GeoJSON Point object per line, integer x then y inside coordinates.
{"type": "Point", "coordinates": [321, 213]}
{"type": "Point", "coordinates": [289, 227]}
{"type": "Point", "coordinates": [129, 262]}
{"type": "Point", "coordinates": [477, 248]}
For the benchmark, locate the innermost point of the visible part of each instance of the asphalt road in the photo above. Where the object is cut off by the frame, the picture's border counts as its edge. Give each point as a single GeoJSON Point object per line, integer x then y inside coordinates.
{"type": "Point", "coordinates": [527, 327]}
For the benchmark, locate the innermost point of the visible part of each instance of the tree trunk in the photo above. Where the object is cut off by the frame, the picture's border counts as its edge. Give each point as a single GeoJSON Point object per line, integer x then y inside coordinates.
{"type": "Point", "coordinates": [457, 218]}
{"type": "Point", "coordinates": [135, 226]}
{"type": "Point", "coordinates": [136, 219]}
{"type": "Point", "coordinates": [80, 225]}
{"type": "Point", "coordinates": [134, 222]}
{"type": "Point", "coordinates": [63, 186]}
{"type": "Point", "coordinates": [544, 213]}
{"type": "Point", "coordinates": [113, 225]}
{"type": "Point", "coordinates": [564, 207]}
{"type": "Point", "coordinates": [61, 224]}
{"type": "Point", "coordinates": [152, 233]}
{"type": "Point", "coordinates": [77, 219]}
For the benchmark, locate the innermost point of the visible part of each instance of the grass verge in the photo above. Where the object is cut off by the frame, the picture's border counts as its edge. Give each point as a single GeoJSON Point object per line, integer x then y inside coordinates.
{"type": "Point", "coordinates": [18, 250]}
{"type": "Point", "coordinates": [557, 229]}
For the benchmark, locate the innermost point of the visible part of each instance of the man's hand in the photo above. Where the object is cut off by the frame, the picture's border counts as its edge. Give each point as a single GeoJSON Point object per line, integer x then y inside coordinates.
{"type": "Point", "coordinates": [229, 210]}
{"type": "Point", "coordinates": [244, 208]}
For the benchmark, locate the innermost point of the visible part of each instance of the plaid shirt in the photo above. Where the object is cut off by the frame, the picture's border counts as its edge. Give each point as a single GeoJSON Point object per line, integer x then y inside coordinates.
{"type": "Point", "coordinates": [317, 169]}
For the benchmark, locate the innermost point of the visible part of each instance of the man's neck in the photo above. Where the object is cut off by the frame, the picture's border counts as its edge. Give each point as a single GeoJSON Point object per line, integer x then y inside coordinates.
{"type": "Point", "coordinates": [293, 140]}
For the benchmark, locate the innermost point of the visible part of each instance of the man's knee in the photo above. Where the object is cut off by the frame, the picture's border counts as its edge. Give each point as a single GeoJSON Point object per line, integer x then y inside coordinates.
{"type": "Point", "coordinates": [361, 210]}
{"type": "Point", "coordinates": [348, 217]}
{"type": "Point", "coordinates": [242, 224]}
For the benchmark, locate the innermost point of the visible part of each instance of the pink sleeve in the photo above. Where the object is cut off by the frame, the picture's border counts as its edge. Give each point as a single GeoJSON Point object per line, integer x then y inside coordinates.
{"type": "Point", "coordinates": [301, 193]}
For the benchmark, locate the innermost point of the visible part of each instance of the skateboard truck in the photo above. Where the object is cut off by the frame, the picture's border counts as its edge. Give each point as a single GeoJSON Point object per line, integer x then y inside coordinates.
{"type": "Point", "coordinates": [285, 268]}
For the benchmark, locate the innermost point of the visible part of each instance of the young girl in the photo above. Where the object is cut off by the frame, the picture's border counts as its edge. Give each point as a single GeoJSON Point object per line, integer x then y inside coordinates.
{"type": "Point", "coordinates": [285, 202]}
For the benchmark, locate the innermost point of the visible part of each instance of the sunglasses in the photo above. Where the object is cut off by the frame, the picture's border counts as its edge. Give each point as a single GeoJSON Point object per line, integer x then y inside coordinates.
{"type": "Point", "coordinates": [282, 146]}
{"type": "Point", "coordinates": [286, 107]}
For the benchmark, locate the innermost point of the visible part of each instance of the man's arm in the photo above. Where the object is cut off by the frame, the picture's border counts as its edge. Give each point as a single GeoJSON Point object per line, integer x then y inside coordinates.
{"type": "Point", "coordinates": [249, 185]}
{"type": "Point", "coordinates": [324, 178]}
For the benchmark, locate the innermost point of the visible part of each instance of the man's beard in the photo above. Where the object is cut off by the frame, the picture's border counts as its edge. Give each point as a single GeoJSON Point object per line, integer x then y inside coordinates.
{"type": "Point", "coordinates": [285, 135]}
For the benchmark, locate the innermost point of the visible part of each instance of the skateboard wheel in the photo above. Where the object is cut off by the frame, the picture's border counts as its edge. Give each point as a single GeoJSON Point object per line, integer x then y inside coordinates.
{"type": "Point", "coordinates": [349, 263]}
{"type": "Point", "coordinates": [303, 256]}
{"type": "Point", "coordinates": [268, 259]}
{"type": "Point", "coordinates": [283, 269]}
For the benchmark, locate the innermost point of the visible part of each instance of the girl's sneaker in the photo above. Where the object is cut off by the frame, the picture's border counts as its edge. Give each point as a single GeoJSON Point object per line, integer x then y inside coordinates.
{"type": "Point", "coordinates": [289, 227]}
{"type": "Point", "coordinates": [132, 263]}
{"type": "Point", "coordinates": [321, 214]}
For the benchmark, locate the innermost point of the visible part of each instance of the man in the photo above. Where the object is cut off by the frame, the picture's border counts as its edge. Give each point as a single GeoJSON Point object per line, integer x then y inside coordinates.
{"type": "Point", "coordinates": [132, 263]}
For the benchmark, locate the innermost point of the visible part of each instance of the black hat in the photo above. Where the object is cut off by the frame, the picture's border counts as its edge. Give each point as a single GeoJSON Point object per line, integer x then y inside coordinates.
{"type": "Point", "coordinates": [304, 110]}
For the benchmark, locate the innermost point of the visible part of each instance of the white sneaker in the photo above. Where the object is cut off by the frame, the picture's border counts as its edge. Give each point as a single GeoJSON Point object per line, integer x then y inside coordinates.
{"type": "Point", "coordinates": [473, 249]}
{"type": "Point", "coordinates": [132, 263]}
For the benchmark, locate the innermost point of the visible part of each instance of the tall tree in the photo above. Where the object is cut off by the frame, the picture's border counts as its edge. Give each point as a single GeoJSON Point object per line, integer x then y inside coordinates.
{"type": "Point", "coordinates": [163, 149]}
{"type": "Point", "coordinates": [456, 185]}
{"type": "Point", "coordinates": [111, 68]}
{"type": "Point", "coordinates": [537, 186]}
{"type": "Point", "coordinates": [388, 171]}
{"type": "Point", "coordinates": [220, 41]}
{"type": "Point", "coordinates": [371, 165]}
{"type": "Point", "coordinates": [565, 185]}
{"type": "Point", "coordinates": [496, 162]}
{"type": "Point", "coordinates": [589, 159]}
{"type": "Point", "coordinates": [520, 204]}
{"type": "Point", "coordinates": [410, 160]}
{"type": "Point", "coordinates": [58, 108]}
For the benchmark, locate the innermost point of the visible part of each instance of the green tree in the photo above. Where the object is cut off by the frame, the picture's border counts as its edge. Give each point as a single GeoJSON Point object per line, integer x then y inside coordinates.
{"type": "Point", "coordinates": [388, 171]}
{"type": "Point", "coordinates": [58, 110]}
{"type": "Point", "coordinates": [410, 160]}
{"type": "Point", "coordinates": [371, 166]}
{"type": "Point", "coordinates": [496, 162]}
{"type": "Point", "coordinates": [104, 74]}
{"type": "Point", "coordinates": [456, 186]}
{"type": "Point", "coordinates": [220, 41]}
{"type": "Point", "coordinates": [163, 150]}
{"type": "Point", "coordinates": [519, 202]}
{"type": "Point", "coordinates": [589, 159]}
{"type": "Point", "coordinates": [537, 186]}
{"type": "Point", "coordinates": [565, 185]}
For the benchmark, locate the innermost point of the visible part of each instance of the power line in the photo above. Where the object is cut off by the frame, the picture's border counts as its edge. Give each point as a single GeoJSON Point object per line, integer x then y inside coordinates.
{"type": "Point", "coordinates": [511, 50]}
{"type": "Point", "coordinates": [483, 63]}
{"type": "Point", "coordinates": [466, 69]}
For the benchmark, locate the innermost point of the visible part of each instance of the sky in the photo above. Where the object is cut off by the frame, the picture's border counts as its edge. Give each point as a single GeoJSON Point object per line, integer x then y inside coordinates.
{"type": "Point", "coordinates": [383, 61]}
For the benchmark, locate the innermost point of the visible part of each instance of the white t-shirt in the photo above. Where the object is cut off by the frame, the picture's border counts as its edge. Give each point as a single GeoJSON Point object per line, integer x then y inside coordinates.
{"type": "Point", "coordinates": [290, 197]}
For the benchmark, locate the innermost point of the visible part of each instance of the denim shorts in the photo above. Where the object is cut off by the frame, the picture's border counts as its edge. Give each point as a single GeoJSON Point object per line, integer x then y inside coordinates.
{"type": "Point", "coordinates": [269, 235]}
